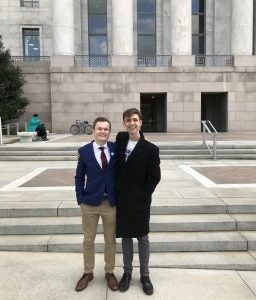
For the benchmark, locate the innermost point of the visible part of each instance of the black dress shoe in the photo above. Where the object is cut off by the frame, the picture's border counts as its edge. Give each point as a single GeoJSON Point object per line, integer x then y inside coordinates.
{"type": "Point", "coordinates": [125, 282]}
{"type": "Point", "coordinates": [146, 285]}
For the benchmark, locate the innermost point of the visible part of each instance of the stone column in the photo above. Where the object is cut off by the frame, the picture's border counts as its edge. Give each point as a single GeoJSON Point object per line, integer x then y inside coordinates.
{"type": "Point", "coordinates": [241, 27]}
{"type": "Point", "coordinates": [63, 32]}
{"type": "Point", "coordinates": [122, 32]}
{"type": "Point", "coordinates": [180, 27]}
{"type": "Point", "coordinates": [181, 32]}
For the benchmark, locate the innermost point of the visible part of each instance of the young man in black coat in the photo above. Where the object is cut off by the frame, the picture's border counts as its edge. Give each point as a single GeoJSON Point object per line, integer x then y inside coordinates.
{"type": "Point", "coordinates": [138, 169]}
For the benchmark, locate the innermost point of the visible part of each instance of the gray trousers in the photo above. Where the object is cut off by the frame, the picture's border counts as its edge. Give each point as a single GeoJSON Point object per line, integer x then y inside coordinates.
{"type": "Point", "coordinates": [143, 247]}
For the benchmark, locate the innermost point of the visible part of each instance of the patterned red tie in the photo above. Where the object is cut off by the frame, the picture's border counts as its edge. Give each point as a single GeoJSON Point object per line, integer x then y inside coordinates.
{"type": "Point", "coordinates": [103, 159]}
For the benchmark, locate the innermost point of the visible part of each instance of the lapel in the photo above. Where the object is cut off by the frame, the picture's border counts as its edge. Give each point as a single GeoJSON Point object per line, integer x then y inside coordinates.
{"type": "Point", "coordinates": [137, 150]}
{"type": "Point", "coordinates": [112, 153]}
{"type": "Point", "coordinates": [92, 157]}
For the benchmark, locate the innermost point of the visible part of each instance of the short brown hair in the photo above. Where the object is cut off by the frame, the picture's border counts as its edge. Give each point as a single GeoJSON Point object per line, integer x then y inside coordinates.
{"type": "Point", "coordinates": [101, 119]}
{"type": "Point", "coordinates": [131, 111]}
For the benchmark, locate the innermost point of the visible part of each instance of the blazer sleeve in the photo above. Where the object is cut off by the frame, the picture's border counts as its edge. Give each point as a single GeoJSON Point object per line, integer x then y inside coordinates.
{"type": "Point", "coordinates": [80, 178]}
{"type": "Point", "coordinates": [153, 171]}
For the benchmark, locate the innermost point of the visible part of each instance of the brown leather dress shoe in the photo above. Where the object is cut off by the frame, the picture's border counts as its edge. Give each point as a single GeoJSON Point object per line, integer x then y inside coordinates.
{"type": "Point", "coordinates": [111, 281]}
{"type": "Point", "coordinates": [83, 281]}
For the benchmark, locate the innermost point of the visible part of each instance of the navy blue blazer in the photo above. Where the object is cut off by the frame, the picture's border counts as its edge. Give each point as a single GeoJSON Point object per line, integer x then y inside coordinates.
{"type": "Point", "coordinates": [90, 180]}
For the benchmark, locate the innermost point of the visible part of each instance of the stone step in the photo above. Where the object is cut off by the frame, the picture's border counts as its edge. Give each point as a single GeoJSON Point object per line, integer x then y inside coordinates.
{"type": "Point", "coordinates": [191, 145]}
{"type": "Point", "coordinates": [49, 152]}
{"type": "Point", "coordinates": [245, 222]}
{"type": "Point", "coordinates": [224, 260]}
{"type": "Point", "coordinates": [219, 156]}
{"type": "Point", "coordinates": [206, 151]}
{"type": "Point", "coordinates": [162, 157]}
{"type": "Point", "coordinates": [60, 152]}
{"type": "Point", "coordinates": [173, 146]}
{"type": "Point", "coordinates": [38, 158]}
{"type": "Point", "coordinates": [44, 152]}
{"type": "Point", "coordinates": [159, 242]}
{"type": "Point", "coordinates": [160, 206]}
{"type": "Point", "coordinates": [69, 153]}
{"type": "Point", "coordinates": [158, 223]}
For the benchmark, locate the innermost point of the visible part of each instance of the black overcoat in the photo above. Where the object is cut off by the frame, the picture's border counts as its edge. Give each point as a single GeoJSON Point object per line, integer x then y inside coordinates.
{"type": "Point", "coordinates": [137, 179]}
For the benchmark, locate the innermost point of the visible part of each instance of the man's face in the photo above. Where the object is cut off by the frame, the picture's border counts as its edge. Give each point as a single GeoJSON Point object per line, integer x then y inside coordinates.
{"type": "Point", "coordinates": [132, 124]}
{"type": "Point", "coordinates": [101, 132]}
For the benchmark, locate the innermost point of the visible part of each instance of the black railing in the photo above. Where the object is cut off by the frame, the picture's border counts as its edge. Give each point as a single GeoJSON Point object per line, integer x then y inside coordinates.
{"type": "Point", "coordinates": [93, 61]}
{"type": "Point", "coordinates": [31, 61]}
{"type": "Point", "coordinates": [154, 61]}
{"type": "Point", "coordinates": [31, 3]}
{"type": "Point", "coordinates": [214, 60]}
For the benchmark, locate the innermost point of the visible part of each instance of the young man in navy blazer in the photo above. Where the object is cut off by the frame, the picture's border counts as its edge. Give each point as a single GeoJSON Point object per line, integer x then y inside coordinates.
{"type": "Point", "coordinates": [95, 192]}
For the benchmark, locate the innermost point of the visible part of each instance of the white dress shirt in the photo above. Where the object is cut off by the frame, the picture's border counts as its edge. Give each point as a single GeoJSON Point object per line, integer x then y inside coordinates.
{"type": "Point", "coordinates": [97, 152]}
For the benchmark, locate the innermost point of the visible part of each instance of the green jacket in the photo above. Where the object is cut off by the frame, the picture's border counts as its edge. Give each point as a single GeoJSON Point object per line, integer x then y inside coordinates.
{"type": "Point", "coordinates": [33, 123]}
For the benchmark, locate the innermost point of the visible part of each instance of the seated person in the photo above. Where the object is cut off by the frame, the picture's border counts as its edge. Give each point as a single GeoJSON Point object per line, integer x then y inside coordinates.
{"type": "Point", "coordinates": [36, 125]}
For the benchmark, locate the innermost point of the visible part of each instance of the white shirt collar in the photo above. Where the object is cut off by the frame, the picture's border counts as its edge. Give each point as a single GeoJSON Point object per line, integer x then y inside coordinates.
{"type": "Point", "coordinates": [96, 146]}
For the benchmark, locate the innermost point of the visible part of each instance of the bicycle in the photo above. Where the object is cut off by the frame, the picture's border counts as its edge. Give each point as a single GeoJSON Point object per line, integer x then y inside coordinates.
{"type": "Point", "coordinates": [81, 127]}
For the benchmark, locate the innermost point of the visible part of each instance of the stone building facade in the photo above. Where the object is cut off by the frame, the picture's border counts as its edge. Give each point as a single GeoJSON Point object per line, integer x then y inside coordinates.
{"type": "Point", "coordinates": [179, 61]}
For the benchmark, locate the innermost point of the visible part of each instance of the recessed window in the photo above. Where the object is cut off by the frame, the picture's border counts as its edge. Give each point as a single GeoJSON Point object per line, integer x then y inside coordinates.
{"type": "Point", "coordinates": [29, 3]}
{"type": "Point", "coordinates": [146, 27]}
{"type": "Point", "coordinates": [97, 23]}
{"type": "Point", "coordinates": [98, 45]}
{"type": "Point", "coordinates": [147, 45]}
{"type": "Point", "coordinates": [197, 6]}
{"type": "Point", "coordinates": [198, 27]}
{"type": "Point", "coordinates": [31, 42]}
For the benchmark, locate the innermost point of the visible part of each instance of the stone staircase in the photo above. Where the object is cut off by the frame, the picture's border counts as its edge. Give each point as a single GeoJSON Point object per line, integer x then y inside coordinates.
{"type": "Point", "coordinates": [194, 233]}
{"type": "Point", "coordinates": [170, 151]}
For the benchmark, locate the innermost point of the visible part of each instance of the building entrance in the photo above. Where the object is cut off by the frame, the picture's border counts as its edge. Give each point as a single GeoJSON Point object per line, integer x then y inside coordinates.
{"type": "Point", "coordinates": [153, 109]}
{"type": "Point", "coordinates": [214, 109]}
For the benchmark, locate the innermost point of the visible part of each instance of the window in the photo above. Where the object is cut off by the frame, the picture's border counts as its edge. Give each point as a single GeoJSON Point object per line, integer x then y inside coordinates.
{"type": "Point", "coordinates": [31, 3]}
{"type": "Point", "coordinates": [97, 27]}
{"type": "Point", "coordinates": [31, 44]}
{"type": "Point", "coordinates": [198, 27]}
{"type": "Point", "coordinates": [146, 28]}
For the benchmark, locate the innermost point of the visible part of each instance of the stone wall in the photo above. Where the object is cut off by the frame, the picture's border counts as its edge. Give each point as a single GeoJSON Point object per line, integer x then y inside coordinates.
{"type": "Point", "coordinates": [86, 94]}
{"type": "Point", "coordinates": [37, 90]}
{"type": "Point", "coordinates": [13, 18]}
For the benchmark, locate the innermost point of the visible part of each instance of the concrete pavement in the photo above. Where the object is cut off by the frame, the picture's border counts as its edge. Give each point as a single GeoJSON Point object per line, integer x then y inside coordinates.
{"type": "Point", "coordinates": [54, 276]}
{"type": "Point", "coordinates": [32, 275]}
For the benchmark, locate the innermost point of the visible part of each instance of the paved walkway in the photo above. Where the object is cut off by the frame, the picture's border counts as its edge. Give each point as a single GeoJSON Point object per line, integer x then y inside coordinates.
{"type": "Point", "coordinates": [53, 275]}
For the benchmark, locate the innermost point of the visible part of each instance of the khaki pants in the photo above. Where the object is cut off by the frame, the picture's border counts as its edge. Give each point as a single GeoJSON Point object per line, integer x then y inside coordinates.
{"type": "Point", "coordinates": [90, 219]}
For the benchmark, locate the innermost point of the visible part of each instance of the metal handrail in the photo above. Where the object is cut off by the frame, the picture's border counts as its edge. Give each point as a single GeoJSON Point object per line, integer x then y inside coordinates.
{"type": "Point", "coordinates": [207, 126]}
{"type": "Point", "coordinates": [16, 125]}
